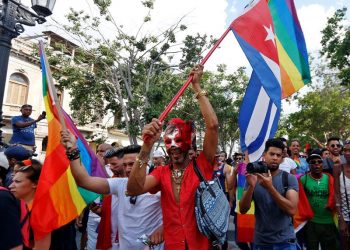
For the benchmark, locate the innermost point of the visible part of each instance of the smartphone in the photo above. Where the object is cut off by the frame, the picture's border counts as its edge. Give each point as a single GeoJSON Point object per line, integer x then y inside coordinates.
{"type": "Point", "coordinates": [43, 113]}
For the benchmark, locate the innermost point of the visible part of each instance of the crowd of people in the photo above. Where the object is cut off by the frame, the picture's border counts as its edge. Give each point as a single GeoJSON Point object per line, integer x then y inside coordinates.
{"type": "Point", "coordinates": [149, 199]}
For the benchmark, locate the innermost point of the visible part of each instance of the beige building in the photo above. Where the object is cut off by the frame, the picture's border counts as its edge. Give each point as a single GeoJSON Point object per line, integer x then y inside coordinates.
{"type": "Point", "coordinates": [24, 85]}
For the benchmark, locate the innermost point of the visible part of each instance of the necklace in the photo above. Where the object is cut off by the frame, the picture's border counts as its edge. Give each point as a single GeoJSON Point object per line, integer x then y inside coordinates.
{"type": "Point", "coordinates": [177, 175]}
{"type": "Point", "coordinates": [316, 179]}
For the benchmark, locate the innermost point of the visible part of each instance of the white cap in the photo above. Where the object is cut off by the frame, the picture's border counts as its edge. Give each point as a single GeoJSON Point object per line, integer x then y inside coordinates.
{"type": "Point", "coordinates": [158, 153]}
{"type": "Point", "coordinates": [3, 161]}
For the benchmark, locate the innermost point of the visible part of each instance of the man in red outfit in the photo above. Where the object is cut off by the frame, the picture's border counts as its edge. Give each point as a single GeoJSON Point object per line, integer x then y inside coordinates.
{"type": "Point", "coordinates": [178, 181]}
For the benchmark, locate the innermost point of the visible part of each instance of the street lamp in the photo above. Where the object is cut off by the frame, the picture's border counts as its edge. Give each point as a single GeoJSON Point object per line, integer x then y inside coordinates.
{"type": "Point", "coordinates": [13, 15]}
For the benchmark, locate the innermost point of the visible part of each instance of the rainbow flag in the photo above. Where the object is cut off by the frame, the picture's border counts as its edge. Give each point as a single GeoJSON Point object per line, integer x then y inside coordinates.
{"type": "Point", "coordinates": [291, 47]}
{"type": "Point", "coordinates": [245, 222]}
{"type": "Point", "coordinates": [58, 200]}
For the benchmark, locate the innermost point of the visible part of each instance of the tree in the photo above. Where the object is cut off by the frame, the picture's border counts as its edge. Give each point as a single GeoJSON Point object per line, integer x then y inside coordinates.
{"type": "Point", "coordinates": [131, 76]}
{"type": "Point", "coordinates": [323, 113]}
{"type": "Point", "coordinates": [336, 45]}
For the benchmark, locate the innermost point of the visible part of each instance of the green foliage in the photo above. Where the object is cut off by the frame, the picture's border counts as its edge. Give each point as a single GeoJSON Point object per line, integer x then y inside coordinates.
{"type": "Point", "coordinates": [324, 113]}
{"type": "Point", "coordinates": [336, 45]}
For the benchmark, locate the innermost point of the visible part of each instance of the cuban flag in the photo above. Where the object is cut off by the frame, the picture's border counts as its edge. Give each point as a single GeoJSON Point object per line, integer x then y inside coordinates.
{"type": "Point", "coordinates": [260, 110]}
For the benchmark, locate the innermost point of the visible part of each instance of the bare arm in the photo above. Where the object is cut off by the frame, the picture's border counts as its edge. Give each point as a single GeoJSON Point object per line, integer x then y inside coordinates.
{"type": "Point", "coordinates": [232, 192]}
{"type": "Point", "coordinates": [247, 197]}
{"type": "Point", "coordinates": [29, 123]}
{"type": "Point", "coordinates": [245, 202]}
{"type": "Point", "coordinates": [228, 170]}
{"type": "Point", "coordinates": [82, 178]}
{"type": "Point", "coordinates": [139, 182]}
{"type": "Point", "coordinates": [211, 122]}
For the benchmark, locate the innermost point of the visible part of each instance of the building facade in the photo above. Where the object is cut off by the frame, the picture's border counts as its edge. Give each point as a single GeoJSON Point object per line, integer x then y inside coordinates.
{"type": "Point", "coordinates": [24, 85]}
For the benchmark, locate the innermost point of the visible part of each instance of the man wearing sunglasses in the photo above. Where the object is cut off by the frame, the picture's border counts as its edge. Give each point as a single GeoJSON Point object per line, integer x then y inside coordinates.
{"type": "Point", "coordinates": [334, 147]}
{"type": "Point", "coordinates": [318, 188]}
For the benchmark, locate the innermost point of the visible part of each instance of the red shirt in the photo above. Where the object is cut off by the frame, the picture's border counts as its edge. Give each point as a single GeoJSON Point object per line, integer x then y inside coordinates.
{"type": "Point", "coordinates": [179, 219]}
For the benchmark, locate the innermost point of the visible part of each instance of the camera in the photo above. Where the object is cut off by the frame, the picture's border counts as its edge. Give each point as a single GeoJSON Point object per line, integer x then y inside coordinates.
{"type": "Point", "coordinates": [259, 167]}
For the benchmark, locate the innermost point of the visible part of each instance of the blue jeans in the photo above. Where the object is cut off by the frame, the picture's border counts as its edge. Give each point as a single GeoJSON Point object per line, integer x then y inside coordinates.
{"type": "Point", "coordinates": [277, 246]}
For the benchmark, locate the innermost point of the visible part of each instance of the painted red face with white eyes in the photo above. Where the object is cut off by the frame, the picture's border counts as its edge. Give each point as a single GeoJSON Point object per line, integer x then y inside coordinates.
{"type": "Point", "coordinates": [178, 135]}
{"type": "Point", "coordinates": [172, 138]}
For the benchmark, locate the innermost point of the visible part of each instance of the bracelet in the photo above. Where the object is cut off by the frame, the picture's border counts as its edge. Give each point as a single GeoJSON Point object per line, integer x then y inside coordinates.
{"type": "Point", "coordinates": [73, 154]}
{"type": "Point", "coordinates": [199, 94]}
{"type": "Point", "coordinates": [141, 162]}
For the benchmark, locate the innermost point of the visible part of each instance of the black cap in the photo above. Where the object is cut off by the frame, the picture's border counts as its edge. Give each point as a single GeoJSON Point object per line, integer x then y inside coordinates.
{"type": "Point", "coordinates": [313, 156]}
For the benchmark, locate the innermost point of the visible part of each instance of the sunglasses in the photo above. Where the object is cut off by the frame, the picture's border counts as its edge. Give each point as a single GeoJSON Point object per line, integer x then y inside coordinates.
{"type": "Point", "coordinates": [316, 162]}
{"type": "Point", "coordinates": [335, 145]}
{"type": "Point", "coordinates": [239, 159]}
{"type": "Point", "coordinates": [133, 200]}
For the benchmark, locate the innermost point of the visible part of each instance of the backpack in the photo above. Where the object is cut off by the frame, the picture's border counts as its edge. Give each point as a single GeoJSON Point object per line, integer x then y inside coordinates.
{"type": "Point", "coordinates": [212, 209]}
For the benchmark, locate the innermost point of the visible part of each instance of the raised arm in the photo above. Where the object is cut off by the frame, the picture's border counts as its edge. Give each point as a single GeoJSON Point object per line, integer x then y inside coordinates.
{"type": "Point", "coordinates": [139, 182]}
{"type": "Point", "coordinates": [21, 124]}
{"type": "Point", "coordinates": [82, 178]}
{"type": "Point", "coordinates": [211, 121]}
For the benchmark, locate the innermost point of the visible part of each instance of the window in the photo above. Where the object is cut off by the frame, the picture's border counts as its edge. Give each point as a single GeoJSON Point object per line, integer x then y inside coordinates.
{"type": "Point", "coordinates": [18, 89]}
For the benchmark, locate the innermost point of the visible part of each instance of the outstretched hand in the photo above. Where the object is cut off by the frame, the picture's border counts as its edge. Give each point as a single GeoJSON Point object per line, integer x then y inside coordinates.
{"type": "Point", "coordinates": [151, 132]}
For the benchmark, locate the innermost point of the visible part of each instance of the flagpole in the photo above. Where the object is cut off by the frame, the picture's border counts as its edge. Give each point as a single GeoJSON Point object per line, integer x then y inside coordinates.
{"type": "Point", "coordinates": [189, 80]}
{"type": "Point", "coordinates": [52, 87]}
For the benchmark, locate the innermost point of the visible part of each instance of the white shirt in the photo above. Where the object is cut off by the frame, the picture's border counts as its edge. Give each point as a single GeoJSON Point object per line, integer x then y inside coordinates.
{"type": "Point", "coordinates": [134, 220]}
{"type": "Point", "coordinates": [287, 165]}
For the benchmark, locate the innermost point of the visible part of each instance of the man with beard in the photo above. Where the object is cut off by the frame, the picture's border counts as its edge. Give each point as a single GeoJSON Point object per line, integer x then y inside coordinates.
{"type": "Point", "coordinates": [275, 198]}
{"type": "Point", "coordinates": [334, 147]}
{"type": "Point", "coordinates": [178, 181]}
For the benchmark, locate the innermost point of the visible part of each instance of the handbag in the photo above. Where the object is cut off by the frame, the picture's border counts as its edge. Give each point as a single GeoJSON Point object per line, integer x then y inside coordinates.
{"type": "Point", "coordinates": [212, 209]}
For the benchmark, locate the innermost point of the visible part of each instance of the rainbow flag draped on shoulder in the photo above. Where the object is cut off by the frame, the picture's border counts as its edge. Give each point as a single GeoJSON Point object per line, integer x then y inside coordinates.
{"type": "Point", "coordinates": [58, 199]}
{"type": "Point", "coordinates": [291, 47]}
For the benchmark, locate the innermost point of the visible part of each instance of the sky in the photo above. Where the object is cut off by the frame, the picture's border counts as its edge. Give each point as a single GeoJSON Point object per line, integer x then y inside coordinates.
{"type": "Point", "coordinates": [210, 17]}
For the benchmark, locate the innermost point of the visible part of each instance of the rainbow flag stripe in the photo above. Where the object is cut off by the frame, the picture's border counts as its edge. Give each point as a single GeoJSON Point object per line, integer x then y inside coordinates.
{"type": "Point", "coordinates": [292, 52]}
{"type": "Point", "coordinates": [245, 222]}
{"type": "Point", "coordinates": [58, 199]}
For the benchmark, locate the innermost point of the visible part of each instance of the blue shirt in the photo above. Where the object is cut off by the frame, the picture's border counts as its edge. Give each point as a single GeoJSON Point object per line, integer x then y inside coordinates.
{"type": "Point", "coordinates": [22, 135]}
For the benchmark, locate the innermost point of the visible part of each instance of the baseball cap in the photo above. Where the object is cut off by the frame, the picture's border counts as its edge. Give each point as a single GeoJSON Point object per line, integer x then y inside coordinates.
{"type": "Point", "coordinates": [17, 152]}
{"type": "Point", "coordinates": [313, 156]}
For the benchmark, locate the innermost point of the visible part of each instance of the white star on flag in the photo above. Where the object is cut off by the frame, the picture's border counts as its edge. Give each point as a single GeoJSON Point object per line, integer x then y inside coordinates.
{"type": "Point", "coordinates": [270, 34]}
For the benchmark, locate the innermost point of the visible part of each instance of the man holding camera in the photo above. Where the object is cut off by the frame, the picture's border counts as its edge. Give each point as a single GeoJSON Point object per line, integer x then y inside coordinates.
{"type": "Point", "coordinates": [275, 196]}
{"type": "Point", "coordinates": [23, 127]}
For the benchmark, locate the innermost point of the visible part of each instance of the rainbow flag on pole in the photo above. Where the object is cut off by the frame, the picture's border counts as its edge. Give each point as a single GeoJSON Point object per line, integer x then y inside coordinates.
{"type": "Point", "coordinates": [58, 199]}
{"type": "Point", "coordinates": [291, 47]}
